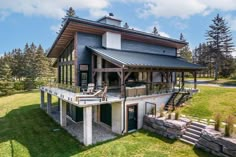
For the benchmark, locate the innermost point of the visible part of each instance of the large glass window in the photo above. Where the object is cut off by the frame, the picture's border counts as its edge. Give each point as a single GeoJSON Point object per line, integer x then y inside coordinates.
{"type": "Point", "coordinates": [66, 65]}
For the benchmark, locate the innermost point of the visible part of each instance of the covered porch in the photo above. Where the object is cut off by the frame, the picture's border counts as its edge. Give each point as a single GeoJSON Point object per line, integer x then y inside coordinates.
{"type": "Point", "coordinates": [132, 74]}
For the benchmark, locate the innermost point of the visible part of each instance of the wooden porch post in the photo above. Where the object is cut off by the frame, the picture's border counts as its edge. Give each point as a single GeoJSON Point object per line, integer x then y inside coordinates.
{"type": "Point", "coordinates": [195, 79]}
{"type": "Point", "coordinates": [182, 80]}
{"type": "Point", "coordinates": [92, 68]}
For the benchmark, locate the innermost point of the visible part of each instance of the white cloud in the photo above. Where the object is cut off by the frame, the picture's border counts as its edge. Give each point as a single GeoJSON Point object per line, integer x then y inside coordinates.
{"type": "Point", "coordinates": [53, 9]}
{"type": "Point", "coordinates": [3, 15]}
{"type": "Point", "coordinates": [155, 24]}
{"type": "Point", "coordinates": [182, 8]}
{"type": "Point", "coordinates": [55, 28]}
{"type": "Point", "coordinates": [232, 21]}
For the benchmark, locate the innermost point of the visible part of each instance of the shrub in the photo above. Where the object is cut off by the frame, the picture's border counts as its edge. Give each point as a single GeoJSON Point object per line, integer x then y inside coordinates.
{"type": "Point", "coordinates": [161, 112]}
{"type": "Point", "coordinates": [217, 121]}
{"type": "Point", "coordinates": [6, 88]}
{"type": "Point", "coordinates": [229, 127]}
{"type": "Point", "coordinates": [177, 115]}
{"type": "Point", "coordinates": [19, 85]}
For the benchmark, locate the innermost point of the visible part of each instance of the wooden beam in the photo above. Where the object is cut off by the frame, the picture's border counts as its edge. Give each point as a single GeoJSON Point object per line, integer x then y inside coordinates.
{"type": "Point", "coordinates": [92, 68]}
{"type": "Point", "coordinates": [127, 75]}
{"type": "Point", "coordinates": [195, 80]}
{"type": "Point", "coordinates": [76, 59]}
{"type": "Point", "coordinates": [107, 70]}
{"type": "Point", "coordinates": [119, 74]}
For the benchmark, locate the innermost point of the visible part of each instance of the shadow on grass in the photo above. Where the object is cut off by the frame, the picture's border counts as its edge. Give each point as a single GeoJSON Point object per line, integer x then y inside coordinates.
{"type": "Point", "coordinates": [162, 138]}
{"type": "Point", "coordinates": [31, 128]}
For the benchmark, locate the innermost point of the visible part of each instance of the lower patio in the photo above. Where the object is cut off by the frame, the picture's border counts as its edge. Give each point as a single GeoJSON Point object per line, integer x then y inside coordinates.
{"type": "Point", "coordinates": [100, 132]}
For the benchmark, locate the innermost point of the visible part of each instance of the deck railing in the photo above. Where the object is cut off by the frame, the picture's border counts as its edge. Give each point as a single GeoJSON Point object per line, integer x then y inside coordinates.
{"type": "Point", "coordinates": [70, 88]}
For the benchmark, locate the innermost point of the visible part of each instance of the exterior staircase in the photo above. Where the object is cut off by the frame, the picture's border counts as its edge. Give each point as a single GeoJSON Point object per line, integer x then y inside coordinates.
{"type": "Point", "coordinates": [176, 99]}
{"type": "Point", "coordinates": [192, 133]}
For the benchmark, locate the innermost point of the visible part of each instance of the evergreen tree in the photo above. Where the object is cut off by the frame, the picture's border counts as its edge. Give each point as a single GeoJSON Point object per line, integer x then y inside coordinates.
{"type": "Point", "coordinates": [220, 37]}
{"type": "Point", "coordinates": [181, 37]}
{"type": "Point", "coordinates": [69, 13]}
{"type": "Point", "coordinates": [5, 70]}
{"type": "Point", "coordinates": [185, 52]}
{"type": "Point", "coordinates": [155, 31]}
{"type": "Point", "coordinates": [126, 25]}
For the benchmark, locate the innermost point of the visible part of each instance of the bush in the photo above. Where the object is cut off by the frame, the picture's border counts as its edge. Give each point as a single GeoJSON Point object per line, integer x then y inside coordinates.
{"type": "Point", "coordinates": [29, 84]}
{"type": "Point", "coordinates": [217, 121]}
{"type": "Point", "coordinates": [177, 115]}
{"type": "Point", "coordinates": [19, 85]}
{"type": "Point", "coordinates": [229, 127]}
{"type": "Point", "coordinates": [161, 112]}
{"type": "Point", "coordinates": [6, 88]}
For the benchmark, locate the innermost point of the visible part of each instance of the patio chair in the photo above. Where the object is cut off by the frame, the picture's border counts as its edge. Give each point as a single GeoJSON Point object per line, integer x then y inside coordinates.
{"type": "Point", "coordinates": [99, 94]}
{"type": "Point", "coordinates": [90, 89]}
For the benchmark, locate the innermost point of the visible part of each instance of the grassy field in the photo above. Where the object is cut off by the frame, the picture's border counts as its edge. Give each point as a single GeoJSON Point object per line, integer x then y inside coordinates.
{"type": "Point", "coordinates": [212, 100]}
{"type": "Point", "coordinates": [26, 130]}
{"type": "Point", "coordinates": [221, 81]}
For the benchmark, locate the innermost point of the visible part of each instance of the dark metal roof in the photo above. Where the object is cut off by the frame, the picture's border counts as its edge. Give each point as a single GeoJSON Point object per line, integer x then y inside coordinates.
{"type": "Point", "coordinates": [146, 60]}
{"type": "Point", "coordinates": [112, 27]}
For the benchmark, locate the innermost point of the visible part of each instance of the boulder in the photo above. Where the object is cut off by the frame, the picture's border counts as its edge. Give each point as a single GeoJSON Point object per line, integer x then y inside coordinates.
{"type": "Point", "coordinates": [186, 120]}
{"type": "Point", "coordinates": [229, 152]}
{"type": "Point", "coordinates": [158, 127]}
{"type": "Point", "coordinates": [211, 145]}
{"type": "Point", "coordinates": [229, 143]}
{"type": "Point", "coordinates": [160, 121]}
{"type": "Point", "coordinates": [179, 125]}
{"type": "Point", "coordinates": [210, 134]}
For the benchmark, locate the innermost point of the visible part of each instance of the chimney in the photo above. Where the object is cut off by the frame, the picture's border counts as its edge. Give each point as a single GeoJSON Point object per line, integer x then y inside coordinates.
{"type": "Point", "coordinates": [110, 20]}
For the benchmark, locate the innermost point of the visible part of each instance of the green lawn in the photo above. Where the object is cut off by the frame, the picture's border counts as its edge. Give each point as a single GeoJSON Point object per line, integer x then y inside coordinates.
{"type": "Point", "coordinates": [26, 130]}
{"type": "Point", "coordinates": [211, 100]}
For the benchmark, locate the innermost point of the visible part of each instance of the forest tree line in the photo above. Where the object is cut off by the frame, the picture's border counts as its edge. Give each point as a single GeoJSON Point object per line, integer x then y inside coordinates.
{"type": "Point", "coordinates": [24, 69]}
{"type": "Point", "coordinates": [216, 52]}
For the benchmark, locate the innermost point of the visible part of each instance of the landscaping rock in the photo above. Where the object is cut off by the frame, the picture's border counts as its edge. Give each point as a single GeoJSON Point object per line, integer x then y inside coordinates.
{"type": "Point", "coordinates": [229, 143]}
{"type": "Point", "coordinates": [210, 134]}
{"type": "Point", "coordinates": [208, 144]}
{"type": "Point", "coordinates": [229, 152]}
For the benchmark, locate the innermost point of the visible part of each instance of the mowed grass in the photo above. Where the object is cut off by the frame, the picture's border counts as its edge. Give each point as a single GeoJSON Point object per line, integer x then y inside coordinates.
{"type": "Point", "coordinates": [210, 101]}
{"type": "Point", "coordinates": [26, 130]}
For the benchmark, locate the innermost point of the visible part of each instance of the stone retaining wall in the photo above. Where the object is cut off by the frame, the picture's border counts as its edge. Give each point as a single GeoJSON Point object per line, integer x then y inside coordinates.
{"type": "Point", "coordinates": [172, 129]}
{"type": "Point", "coordinates": [214, 142]}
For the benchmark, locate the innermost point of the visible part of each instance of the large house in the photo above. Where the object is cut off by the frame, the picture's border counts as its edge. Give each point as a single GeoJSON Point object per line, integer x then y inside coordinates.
{"type": "Point", "coordinates": [112, 76]}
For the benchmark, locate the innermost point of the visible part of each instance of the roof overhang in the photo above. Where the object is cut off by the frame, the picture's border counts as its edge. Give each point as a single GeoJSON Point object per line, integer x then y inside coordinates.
{"type": "Point", "coordinates": [74, 25]}
{"type": "Point", "coordinates": [128, 59]}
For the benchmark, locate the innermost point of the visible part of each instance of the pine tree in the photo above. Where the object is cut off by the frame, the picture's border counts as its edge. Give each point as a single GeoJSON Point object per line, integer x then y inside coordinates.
{"type": "Point", "coordinates": [126, 25]}
{"type": "Point", "coordinates": [155, 31]}
{"type": "Point", "coordinates": [181, 37]}
{"type": "Point", "coordinates": [69, 13]}
{"type": "Point", "coordinates": [5, 70]}
{"type": "Point", "coordinates": [220, 37]}
{"type": "Point", "coordinates": [185, 52]}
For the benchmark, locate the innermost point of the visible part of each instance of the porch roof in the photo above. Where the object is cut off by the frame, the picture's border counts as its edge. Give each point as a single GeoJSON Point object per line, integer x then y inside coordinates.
{"type": "Point", "coordinates": [144, 60]}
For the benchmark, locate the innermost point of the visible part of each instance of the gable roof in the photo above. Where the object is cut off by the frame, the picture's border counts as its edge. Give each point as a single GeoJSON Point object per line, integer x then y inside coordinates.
{"type": "Point", "coordinates": [145, 60]}
{"type": "Point", "coordinates": [73, 25]}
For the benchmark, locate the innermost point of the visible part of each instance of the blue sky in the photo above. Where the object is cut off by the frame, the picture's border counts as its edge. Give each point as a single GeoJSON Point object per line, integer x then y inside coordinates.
{"type": "Point", "coordinates": [38, 20]}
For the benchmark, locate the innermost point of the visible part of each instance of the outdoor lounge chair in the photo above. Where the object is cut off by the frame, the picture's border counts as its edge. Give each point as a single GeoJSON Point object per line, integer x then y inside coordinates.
{"type": "Point", "coordinates": [99, 94]}
{"type": "Point", "coordinates": [90, 89]}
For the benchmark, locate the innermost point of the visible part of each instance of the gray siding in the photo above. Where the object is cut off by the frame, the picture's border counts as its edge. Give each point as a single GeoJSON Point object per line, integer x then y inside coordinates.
{"type": "Point", "coordinates": [148, 48]}
{"type": "Point", "coordinates": [84, 56]}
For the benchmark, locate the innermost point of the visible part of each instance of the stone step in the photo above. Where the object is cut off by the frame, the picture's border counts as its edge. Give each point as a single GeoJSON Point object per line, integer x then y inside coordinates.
{"type": "Point", "coordinates": [188, 138]}
{"type": "Point", "coordinates": [201, 125]}
{"type": "Point", "coordinates": [194, 131]}
{"type": "Point", "coordinates": [186, 141]}
{"type": "Point", "coordinates": [195, 127]}
{"type": "Point", "coordinates": [193, 135]}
